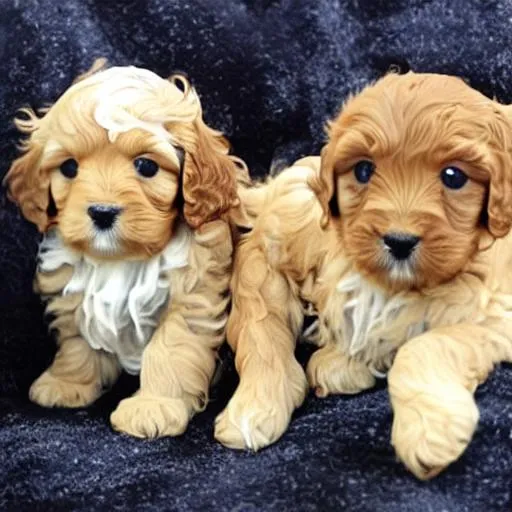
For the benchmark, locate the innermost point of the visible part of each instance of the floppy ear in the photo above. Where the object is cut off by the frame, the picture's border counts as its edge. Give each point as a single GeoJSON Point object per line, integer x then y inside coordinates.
{"type": "Point", "coordinates": [209, 178]}
{"type": "Point", "coordinates": [499, 209]}
{"type": "Point", "coordinates": [323, 183]}
{"type": "Point", "coordinates": [27, 185]}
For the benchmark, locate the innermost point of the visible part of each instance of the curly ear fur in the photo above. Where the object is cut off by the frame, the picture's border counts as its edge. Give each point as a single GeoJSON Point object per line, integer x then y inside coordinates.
{"type": "Point", "coordinates": [209, 178]}
{"type": "Point", "coordinates": [323, 183]}
{"type": "Point", "coordinates": [499, 208]}
{"type": "Point", "coordinates": [27, 185]}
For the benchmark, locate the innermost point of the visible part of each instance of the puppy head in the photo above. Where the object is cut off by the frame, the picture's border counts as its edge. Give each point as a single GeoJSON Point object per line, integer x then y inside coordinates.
{"type": "Point", "coordinates": [117, 159]}
{"type": "Point", "coordinates": [417, 174]}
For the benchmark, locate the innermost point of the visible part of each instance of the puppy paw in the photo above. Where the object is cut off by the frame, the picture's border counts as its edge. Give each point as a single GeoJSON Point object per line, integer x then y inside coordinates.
{"type": "Point", "coordinates": [330, 371]}
{"type": "Point", "coordinates": [147, 416]}
{"type": "Point", "coordinates": [253, 426]}
{"type": "Point", "coordinates": [50, 391]}
{"type": "Point", "coordinates": [259, 414]}
{"type": "Point", "coordinates": [430, 431]}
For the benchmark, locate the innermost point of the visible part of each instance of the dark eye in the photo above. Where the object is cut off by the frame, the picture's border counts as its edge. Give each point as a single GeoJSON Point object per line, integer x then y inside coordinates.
{"type": "Point", "coordinates": [453, 177]}
{"type": "Point", "coordinates": [145, 167]}
{"type": "Point", "coordinates": [69, 168]}
{"type": "Point", "coordinates": [363, 171]}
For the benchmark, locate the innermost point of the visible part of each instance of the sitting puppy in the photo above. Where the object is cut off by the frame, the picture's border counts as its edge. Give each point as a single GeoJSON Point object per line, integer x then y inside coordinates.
{"type": "Point", "coordinates": [136, 197]}
{"type": "Point", "coordinates": [399, 242]}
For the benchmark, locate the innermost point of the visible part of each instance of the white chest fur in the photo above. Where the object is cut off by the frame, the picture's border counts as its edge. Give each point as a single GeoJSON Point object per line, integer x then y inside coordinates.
{"type": "Point", "coordinates": [366, 322]}
{"type": "Point", "coordinates": [371, 317]}
{"type": "Point", "coordinates": [122, 300]}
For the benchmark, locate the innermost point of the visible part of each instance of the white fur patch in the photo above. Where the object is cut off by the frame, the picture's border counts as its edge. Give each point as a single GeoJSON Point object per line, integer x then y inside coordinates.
{"type": "Point", "coordinates": [126, 98]}
{"type": "Point", "coordinates": [367, 312]}
{"type": "Point", "coordinates": [122, 88]}
{"type": "Point", "coordinates": [123, 300]}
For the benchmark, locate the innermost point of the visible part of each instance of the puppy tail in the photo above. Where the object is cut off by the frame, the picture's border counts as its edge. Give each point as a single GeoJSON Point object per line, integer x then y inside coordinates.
{"type": "Point", "coordinates": [254, 195]}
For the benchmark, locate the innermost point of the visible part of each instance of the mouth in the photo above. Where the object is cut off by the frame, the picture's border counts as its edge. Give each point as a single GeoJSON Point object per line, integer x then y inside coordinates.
{"type": "Point", "coordinates": [399, 270]}
{"type": "Point", "coordinates": [105, 242]}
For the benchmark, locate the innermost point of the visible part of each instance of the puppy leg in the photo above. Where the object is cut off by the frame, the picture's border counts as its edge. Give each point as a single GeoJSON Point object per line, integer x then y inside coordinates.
{"type": "Point", "coordinates": [331, 371]}
{"type": "Point", "coordinates": [79, 374]}
{"type": "Point", "coordinates": [431, 385]}
{"type": "Point", "coordinates": [179, 361]}
{"type": "Point", "coordinates": [77, 377]}
{"type": "Point", "coordinates": [177, 367]}
{"type": "Point", "coordinates": [262, 329]}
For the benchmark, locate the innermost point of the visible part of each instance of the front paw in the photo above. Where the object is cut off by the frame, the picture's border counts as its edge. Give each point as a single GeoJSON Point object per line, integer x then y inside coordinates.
{"type": "Point", "coordinates": [430, 431]}
{"type": "Point", "coordinates": [330, 371]}
{"type": "Point", "coordinates": [257, 415]}
{"type": "Point", "coordinates": [147, 416]}
{"type": "Point", "coordinates": [50, 391]}
{"type": "Point", "coordinates": [252, 425]}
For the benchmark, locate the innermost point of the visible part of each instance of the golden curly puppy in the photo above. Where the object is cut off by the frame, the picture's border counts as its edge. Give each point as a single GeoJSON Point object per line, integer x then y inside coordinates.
{"type": "Point", "coordinates": [137, 199]}
{"type": "Point", "coordinates": [399, 242]}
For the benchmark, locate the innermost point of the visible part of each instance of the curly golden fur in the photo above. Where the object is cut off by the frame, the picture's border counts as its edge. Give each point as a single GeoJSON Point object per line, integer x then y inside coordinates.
{"type": "Point", "coordinates": [437, 316]}
{"type": "Point", "coordinates": [146, 284]}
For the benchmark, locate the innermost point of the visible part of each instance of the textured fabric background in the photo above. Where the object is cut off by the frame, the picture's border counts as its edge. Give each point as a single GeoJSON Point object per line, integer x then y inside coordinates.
{"type": "Point", "coordinates": [270, 72]}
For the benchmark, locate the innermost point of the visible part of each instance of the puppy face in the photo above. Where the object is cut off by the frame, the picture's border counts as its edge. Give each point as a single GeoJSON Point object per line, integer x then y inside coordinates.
{"type": "Point", "coordinates": [417, 175]}
{"type": "Point", "coordinates": [117, 159]}
{"type": "Point", "coordinates": [114, 198]}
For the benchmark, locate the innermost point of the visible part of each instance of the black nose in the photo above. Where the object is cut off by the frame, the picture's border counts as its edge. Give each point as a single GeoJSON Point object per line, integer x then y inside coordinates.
{"type": "Point", "coordinates": [103, 215]}
{"type": "Point", "coordinates": [401, 244]}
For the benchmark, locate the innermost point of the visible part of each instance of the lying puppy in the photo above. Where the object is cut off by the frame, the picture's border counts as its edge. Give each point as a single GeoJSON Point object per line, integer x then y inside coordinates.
{"type": "Point", "coordinates": [400, 238]}
{"type": "Point", "coordinates": [137, 199]}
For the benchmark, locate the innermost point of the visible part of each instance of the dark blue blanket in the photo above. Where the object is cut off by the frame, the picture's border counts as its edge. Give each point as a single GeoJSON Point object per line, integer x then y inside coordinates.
{"type": "Point", "coordinates": [269, 72]}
